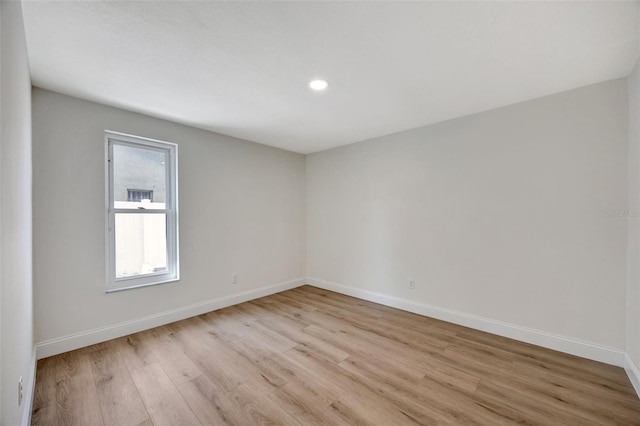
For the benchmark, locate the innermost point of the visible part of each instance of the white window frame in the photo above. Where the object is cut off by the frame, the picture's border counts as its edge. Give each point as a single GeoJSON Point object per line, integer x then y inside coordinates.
{"type": "Point", "coordinates": [171, 211]}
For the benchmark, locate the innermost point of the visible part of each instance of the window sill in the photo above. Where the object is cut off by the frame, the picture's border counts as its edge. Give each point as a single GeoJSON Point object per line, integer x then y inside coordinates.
{"type": "Point", "coordinates": [134, 286]}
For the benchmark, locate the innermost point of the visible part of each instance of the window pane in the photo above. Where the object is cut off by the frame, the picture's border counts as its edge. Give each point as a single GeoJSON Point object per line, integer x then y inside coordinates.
{"type": "Point", "coordinates": [139, 177]}
{"type": "Point", "coordinates": [141, 244]}
{"type": "Point", "coordinates": [139, 195]}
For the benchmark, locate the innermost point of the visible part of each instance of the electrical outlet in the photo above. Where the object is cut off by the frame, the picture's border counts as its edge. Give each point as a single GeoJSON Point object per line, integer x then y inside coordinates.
{"type": "Point", "coordinates": [412, 284]}
{"type": "Point", "coordinates": [234, 279]}
{"type": "Point", "coordinates": [20, 391]}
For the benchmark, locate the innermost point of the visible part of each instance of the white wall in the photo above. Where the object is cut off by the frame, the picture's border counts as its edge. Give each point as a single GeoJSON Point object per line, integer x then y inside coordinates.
{"type": "Point", "coordinates": [242, 210]}
{"type": "Point", "coordinates": [633, 271]}
{"type": "Point", "coordinates": [16, 315]}
{"type": "Point", "coordinates": [500, 214]}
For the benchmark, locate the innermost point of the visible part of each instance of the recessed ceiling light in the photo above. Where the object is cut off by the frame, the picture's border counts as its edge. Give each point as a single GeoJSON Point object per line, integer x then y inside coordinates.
{"type": "Point", "coordinates": [319, 84]}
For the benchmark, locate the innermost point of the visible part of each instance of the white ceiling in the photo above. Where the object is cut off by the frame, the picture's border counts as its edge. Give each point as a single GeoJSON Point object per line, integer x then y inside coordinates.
{"type": "Point", "coordinates": [242, 68]}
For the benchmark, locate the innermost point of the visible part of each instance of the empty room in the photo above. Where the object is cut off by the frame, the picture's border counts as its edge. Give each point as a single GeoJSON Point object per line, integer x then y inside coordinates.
{"type": "Point", "coordinates": [319, 213]}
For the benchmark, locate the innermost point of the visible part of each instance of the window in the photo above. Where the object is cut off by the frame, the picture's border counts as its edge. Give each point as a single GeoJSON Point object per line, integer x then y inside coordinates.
{"type": "Point", "coordinates": [139, 195]}
{"type": "Point", "coordinates": [142, 224]}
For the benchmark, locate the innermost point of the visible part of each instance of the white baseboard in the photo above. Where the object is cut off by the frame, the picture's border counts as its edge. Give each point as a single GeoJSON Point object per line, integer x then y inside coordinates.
{"type": "Point", "coordinates": [79, 340]}
{"type": "Point", "coordinates": [548, 340]}
{"type": "Point", "coordinates": [28, 389]}
{"type": "Point", "coordinates": [633, 372]}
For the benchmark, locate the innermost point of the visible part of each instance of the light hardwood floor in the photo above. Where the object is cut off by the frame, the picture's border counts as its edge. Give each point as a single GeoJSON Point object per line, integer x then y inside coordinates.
{"type": "Point", "coordinates": [308, 356]}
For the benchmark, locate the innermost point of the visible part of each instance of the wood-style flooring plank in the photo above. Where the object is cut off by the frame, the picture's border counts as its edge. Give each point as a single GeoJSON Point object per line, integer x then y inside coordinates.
{"type": "Point", "coordinates": [168, 351]}
{"type": "Point", "coordinates": [212, 404]}
{"type": "Point", "coordinates": [162, 399]}
{"type": "Point", "coordinates": [305, 405]}
{"type": "Point", "coordinates": [64, 380]}
{"type": "Point", "coordinates": [134, 352]}
{"type": "Point", "coordinates": [259, 408]}
{"type": "Point", "coordinates": [119, 398]}
{"type": "Point", "coordinates": [44, 395]}
{"type": "Point", "coordinates": [219, 363]}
